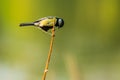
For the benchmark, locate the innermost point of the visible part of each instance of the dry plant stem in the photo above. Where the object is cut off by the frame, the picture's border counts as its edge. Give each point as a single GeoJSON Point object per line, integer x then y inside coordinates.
{"type": "Point", "coordinates": [49, 54]}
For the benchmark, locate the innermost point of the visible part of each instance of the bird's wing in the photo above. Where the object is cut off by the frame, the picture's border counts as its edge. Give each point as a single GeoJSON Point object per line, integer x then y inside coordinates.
{"type": "Point", "coordinates": [49, 17]}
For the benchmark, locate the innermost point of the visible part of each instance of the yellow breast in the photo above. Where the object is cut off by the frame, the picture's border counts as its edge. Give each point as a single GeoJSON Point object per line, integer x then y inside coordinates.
{"type": "Point", "coordinates": [47, 22]}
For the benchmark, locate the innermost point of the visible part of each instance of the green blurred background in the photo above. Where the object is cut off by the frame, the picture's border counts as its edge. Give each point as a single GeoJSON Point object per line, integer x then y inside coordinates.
{"type": "Point", "coordinates": [86, 48]}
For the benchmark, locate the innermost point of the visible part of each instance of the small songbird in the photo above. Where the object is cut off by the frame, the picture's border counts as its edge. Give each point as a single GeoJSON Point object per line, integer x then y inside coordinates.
{"type": "Point", "coordinates": [46, 23]}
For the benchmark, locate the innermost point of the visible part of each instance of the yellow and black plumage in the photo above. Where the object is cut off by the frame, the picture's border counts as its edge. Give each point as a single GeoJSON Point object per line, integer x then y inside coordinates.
{"type": "Point", "coordinates": [46, 23]}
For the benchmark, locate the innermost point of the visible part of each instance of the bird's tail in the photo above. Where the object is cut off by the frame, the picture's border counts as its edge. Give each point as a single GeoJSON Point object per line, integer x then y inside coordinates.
{"type": "Point", "coordinates": [26, 24]}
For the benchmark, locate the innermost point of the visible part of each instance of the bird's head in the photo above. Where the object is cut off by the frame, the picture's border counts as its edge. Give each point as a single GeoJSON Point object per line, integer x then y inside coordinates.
{"type": "Point", "coordinates": [59, 23]}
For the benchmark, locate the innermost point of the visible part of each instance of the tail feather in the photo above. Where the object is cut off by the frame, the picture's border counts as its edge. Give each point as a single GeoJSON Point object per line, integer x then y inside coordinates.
{"type": "Point", "coordinates": [26, 24]}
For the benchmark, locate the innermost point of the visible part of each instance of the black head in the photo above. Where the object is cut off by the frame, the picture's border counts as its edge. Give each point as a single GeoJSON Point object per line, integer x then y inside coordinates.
{"type": "Point", "coordinates": [59, 23]}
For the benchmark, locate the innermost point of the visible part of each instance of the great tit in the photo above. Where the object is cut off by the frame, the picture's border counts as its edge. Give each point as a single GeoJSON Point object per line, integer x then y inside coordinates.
{"type": "Point", "coordinates": [46, 23]}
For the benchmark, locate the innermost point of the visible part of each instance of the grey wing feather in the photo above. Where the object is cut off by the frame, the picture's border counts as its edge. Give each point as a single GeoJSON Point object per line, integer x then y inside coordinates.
{"type": "Point", "coordinates": [39, 20]}
{"type": "Point", "coordinates": [49, 17]}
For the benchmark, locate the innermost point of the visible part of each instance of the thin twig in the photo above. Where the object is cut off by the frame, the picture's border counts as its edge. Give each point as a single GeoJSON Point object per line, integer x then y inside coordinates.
{"type": "Point", "coordinates": [49, 53]}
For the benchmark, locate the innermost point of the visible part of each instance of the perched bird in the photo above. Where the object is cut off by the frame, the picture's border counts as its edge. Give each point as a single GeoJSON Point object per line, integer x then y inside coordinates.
{"type": "Point", "coordinates": [46, 23]}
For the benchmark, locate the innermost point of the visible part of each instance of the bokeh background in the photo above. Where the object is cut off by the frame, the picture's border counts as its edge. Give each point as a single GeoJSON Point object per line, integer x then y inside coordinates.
{"type": "Point", "coordinates": [86, 48]}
